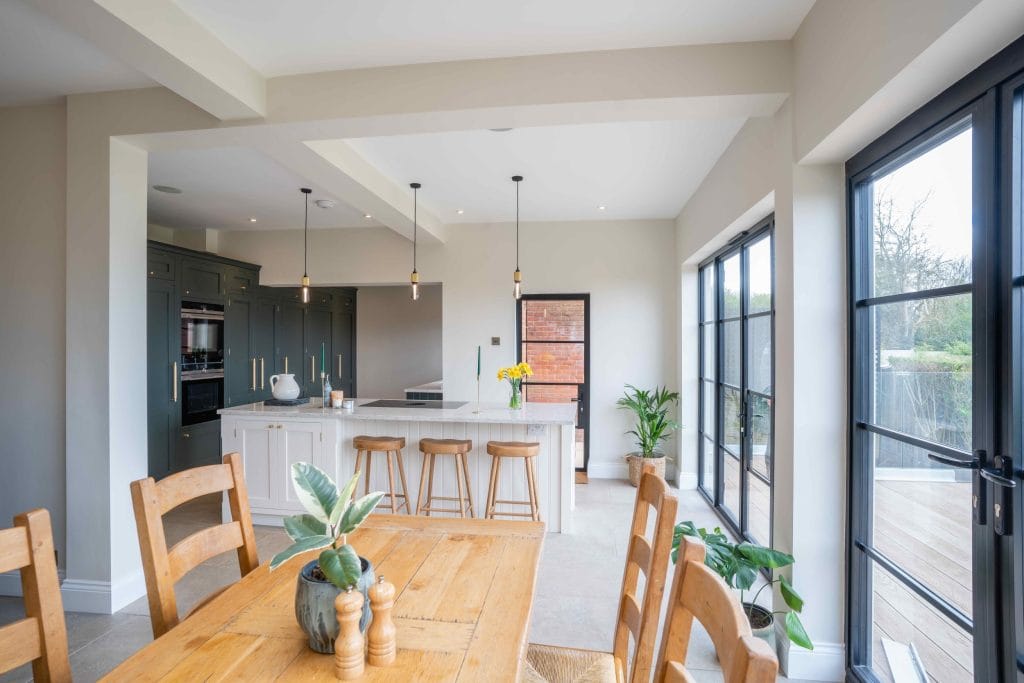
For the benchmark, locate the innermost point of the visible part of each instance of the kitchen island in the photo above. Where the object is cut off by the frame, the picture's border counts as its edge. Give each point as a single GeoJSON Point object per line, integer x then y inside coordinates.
{"type": "Point", "coordinates": [271, 438]}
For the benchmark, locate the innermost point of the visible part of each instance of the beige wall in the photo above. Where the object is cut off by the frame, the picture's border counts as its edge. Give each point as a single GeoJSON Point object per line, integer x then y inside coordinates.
{"type": "Point", "coordinates": [32, 261]}
{"type": "Point", "coordinates": [398, 340]}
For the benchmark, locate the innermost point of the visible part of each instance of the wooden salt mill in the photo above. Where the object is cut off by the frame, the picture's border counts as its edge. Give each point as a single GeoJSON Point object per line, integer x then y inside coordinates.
{"type": "Point", "coordinates": [381, 636]}
{"type": "Point", "coordinates": [348, 648]}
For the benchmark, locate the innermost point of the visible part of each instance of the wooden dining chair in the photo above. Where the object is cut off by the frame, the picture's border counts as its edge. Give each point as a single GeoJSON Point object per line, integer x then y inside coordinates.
{"type": "Point", "coordinates": [637, 616]}
{"type": "Point", "coordinates": [699, 593]}
{"type": "Point", "coordinates": [41, 637]}
{"type": "Point", "coordinates": [163, 568]}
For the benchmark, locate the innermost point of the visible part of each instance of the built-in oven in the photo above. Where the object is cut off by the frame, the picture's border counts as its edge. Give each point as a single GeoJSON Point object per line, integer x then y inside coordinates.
{"type": "Point", "coordinates": [202, 361]}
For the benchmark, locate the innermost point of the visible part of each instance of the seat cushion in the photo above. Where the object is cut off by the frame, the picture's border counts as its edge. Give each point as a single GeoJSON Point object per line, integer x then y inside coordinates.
{"type": "Point", "coordinates": [550, 664]}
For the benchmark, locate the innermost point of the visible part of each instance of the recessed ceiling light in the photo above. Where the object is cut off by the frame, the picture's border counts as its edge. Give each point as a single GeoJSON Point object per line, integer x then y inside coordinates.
{"type": "Point", "coordinates": [325, 203]}
{"type": "Point", "coordinates": [367, 216]}
{"type": "Point", "coordinates": [460, 212]}
{"type": "Point", "coordinates": [167, 189]}
{"type": "Point", "coordinates": [602, 207]}
{"type": "Point", "coordinates": [252, 220]}
{"type": "Point", "coordinates": [500, 130]}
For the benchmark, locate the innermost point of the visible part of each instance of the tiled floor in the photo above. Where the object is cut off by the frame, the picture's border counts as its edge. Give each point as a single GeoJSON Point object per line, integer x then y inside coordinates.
{"type": "Point", "coordinates": [577, 589]}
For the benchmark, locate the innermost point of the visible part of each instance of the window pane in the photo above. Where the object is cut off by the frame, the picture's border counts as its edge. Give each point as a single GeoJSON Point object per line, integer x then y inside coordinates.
{"type": "Point", "coordinates": [731, 357]}
{"type": "Point", "coordinates": [921, 221]}
{"type": "Point", "coordinates": [759, 354]}
{"type": "Point", "coordinates": [555, 362]}
{"type": "Point", "coordinates": [731, 419]}
{"type": "Point", "coordinates": [709, 351]}
{"type": "Point", "coordinates": [731, 285]}
{"type": "Point", "coordinates": [555, 320]}
{"type": "Point", "coordinates": [709, 409]}
{"type": "Point", "coordinates": [708, 471]}
{"type": "Point", "coordinates": [759, 286]}
{"type": "Point", "coordinates": [731, 497]}
{"type": "Point", "coordinates": [761, 435]}
{"type": "Point", "coordinates": [922, 373]}
{"type": "Point", "coordinates": [759, 509]}
{"type": "Point", "coordinates": [922, 518]}
{"type": "Point", "coordinates": [707, 275]}
{"type": "Point", "coordinates": [900, 617]}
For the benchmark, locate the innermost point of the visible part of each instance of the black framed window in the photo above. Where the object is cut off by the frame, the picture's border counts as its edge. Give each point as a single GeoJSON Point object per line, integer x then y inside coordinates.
{"type": "Point", "coordinates": [935, 314]}
{"type": "Point", "coordinates": [736, 359]}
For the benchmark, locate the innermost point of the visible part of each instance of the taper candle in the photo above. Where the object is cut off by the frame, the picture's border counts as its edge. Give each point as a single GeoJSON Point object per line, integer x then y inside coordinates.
{"type": "Point", "coordinates": [323, 356]}
{"type": "Point", "coordinates": [478, 361]}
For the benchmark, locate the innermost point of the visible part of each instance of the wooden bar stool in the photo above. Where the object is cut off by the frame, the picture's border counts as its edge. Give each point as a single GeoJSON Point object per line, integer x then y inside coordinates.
{"type": "Point", "coordinates": [431, 448]}
{"type": "Point", "coordinates": [392, 446]}
{"type": "Point", "coordinates": [513, 449]}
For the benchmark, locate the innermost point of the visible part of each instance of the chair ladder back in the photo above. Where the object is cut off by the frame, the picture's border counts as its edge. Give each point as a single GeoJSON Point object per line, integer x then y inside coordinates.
{"type": "Point", "coordinates": [639, 617]}
{"type": "Point", "coordinates": [41, 637]}
{"type": "Point", "coordinates": [162, 567]}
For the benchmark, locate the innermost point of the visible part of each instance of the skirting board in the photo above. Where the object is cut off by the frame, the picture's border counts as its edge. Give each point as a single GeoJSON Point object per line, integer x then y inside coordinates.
{"type": "Point", "coordinates": [83, 595]}
{"type": "Point", "coordinates": [826, 662]}
{"type": "Point", "coordinates": [616, 470]}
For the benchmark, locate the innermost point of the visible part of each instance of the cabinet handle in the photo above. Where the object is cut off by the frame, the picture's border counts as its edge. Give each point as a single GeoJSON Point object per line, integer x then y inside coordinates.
{"type": "Point", "coordinates": [280, 426]}
{"type": "Point", "coordinates": [253, 387]}
{"type": "Point", "coordinates": [174, 381]}
{"type": "Point", "coordinates": [286, 365]}
{"type": "Point", "coordinates": [339, 367]}
{"type": "Point", "coordinates": [270, 426]}
{"type": "Point", "coordinates": [312, 368]}
{"type": "Point", "coordinates": [263, 375]}
{"type": "Point", "coordinates": [187, 435]}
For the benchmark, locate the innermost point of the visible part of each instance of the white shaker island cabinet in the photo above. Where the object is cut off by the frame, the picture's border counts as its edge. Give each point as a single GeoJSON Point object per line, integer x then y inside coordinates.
{"type": "Point", "coordinates": [271, 438]}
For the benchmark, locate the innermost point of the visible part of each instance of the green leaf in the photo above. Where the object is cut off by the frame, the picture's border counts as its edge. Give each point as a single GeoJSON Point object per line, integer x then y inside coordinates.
{"type": "Point", "coordinates": [764, 557]}
{"type": "Point", "coordinates": [795, 631]}
{"type": "Point", "coordinates": [789, 594]}
{"type": "Point", "coordinates": [299, 527]}
{"type": "Point", "coordinates": [315, 490]}
{"type": "Point", "coordinates": [299, 547]}
{"type": "Point", "coordinates": [343, 499]}
{"type": "Point", "coordinates": [358, 511]}
{"type": "Point", "coordinates": [341, 566]}
{"type": "Point", "coordinates": [746, 575]}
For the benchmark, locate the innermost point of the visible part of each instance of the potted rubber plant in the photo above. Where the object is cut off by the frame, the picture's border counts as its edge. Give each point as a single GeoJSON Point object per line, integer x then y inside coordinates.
{"type": "Point", "coordinates": [739, 564]}
{"type": "Point", "coordinates": [331, 515]}
{"type": "Point", "coordinates": [653, 425]}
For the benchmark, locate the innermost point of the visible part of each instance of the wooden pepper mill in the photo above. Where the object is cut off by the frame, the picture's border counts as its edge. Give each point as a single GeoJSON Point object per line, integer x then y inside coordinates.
{"type": "Point", "coordinates": [381, 636]}
{"type": "Point", "coordinates": [349, 648]}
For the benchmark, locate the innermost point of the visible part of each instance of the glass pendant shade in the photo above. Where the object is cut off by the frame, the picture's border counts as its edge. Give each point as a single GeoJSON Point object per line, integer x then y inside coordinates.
{"type": "Point", "coordinates": [414, 282]}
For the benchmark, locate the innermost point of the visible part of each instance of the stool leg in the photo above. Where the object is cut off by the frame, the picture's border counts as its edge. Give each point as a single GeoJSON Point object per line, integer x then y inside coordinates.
{"type": "Point", "coordinates": [490, 491]}
{"type": "Point", "coordinates": [531, 482]}
{"type": "Point", "coordinates": [405, 487]}
{"type": "Point", "coordinates": [423, 482]}
{"type": "Point", "coordinates": [430, 485]}
{"type": "Point", "coordinates": [391, 484]}
{"type": "Point", "coordinates": [469, 490]}
{"type": "Point", "coordinates": [495, 481]}
{"type": "Point", "coordinates": [458, 482]}
{"type": "Point", "coordinates": [359, 461]}
{"type": "Point", "coordinates": [366, 475]}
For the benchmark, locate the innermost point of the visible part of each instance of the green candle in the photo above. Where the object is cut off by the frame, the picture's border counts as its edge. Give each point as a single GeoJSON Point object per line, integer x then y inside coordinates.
{"type": "Point", "coordinates": [323, 356]}
{"type": "Point", "coordinates": [478, 362]}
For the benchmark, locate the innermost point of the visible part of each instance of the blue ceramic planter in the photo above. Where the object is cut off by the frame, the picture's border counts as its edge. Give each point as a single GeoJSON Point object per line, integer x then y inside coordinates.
{"type": "Point", "coordinates": [314, 606]}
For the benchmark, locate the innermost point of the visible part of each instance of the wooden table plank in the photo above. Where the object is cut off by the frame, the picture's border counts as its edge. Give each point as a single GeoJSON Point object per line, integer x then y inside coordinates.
{"type": "Point", "coordinates": [464, 591]}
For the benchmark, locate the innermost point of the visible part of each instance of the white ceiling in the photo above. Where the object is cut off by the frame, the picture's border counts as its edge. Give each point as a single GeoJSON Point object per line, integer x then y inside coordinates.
{"type": "Point", "coordinates": [223, 188]}
{"type": "Point", "coordinates": [637, 170]}
{"type": "Point", "coordinates": [302, 36]}
{"type": "Point", "coordinates": [41, 61]}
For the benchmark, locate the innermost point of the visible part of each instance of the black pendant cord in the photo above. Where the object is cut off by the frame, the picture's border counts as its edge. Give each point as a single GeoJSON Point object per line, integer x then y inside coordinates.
{"type": "Point", "coordinates": [415, 220]}
{"type": "Point", "coordinates": [305, 239]}
{"type": "Point", "coordinates": [517, 225]}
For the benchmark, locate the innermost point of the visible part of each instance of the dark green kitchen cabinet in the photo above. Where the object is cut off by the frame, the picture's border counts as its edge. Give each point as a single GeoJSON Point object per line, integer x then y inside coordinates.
{"type": "Point", "coordinates": [288, 328]}
{"type": "Point", "coordinates": [241, 281]}
{"type": "Point", "coordinates": [264, 317]}
{"type": "Point", "coordinates": [202, 279]}
{"type": "Point", "coordinates": [343, 342]}
{"type": "Point", "coordinates": [319, 351]}
{"type": "Point", "coordinates": [239, 360]}
{"type": "Point", "coordinates": [197, 445]}
{"type": "Point", "coordinates": [163, 388]}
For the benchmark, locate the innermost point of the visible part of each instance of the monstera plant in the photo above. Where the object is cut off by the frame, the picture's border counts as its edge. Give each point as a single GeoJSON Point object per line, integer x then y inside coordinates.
{"type": "Point", "coordinates": [331, 515]}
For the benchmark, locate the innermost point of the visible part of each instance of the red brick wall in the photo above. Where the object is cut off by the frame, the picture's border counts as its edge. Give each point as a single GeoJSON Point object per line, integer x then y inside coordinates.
{"type": "Point", "coordinates": [553, 321]}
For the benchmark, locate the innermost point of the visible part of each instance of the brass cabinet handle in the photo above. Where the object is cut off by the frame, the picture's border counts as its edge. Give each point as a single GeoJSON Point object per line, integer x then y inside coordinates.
{"type": "Point", "coordinates": [262, 374]}
{"type": "Point", "coordinates": [187, 435]}
{"type": "Point", "coordinates": [312, 368]}
{"type": "Point", "coordinates": [339, 366]}
{"type": "Point", "coordinates": [270, 426]}
{"type": "Point", "coordinates": [286, 365]}
{"type": "Point", "coordinates": [253, 387]}
{"type": "Point", "coordinates": [174, 381]}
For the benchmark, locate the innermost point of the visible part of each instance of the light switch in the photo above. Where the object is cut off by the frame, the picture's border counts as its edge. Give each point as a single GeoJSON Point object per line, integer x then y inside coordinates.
{"type": "Point", "coordinates": [536, 430]}
{"type": "Point", "coordinates": [495, 341]}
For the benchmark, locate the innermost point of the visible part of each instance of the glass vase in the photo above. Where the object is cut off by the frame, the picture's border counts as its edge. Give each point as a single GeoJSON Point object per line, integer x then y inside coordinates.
{"type": "Point", "coordinates": [515, 401]}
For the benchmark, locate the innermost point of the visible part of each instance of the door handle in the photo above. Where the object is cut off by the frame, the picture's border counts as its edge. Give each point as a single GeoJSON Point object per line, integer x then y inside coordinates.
{"type": "Point", "coordinates": [263, 374]}
{"type": "Point", "coordinates": [960, 463]}
{"type": "Point", "coordinates": [1001, 474]}
{"type": "Point", "coordinates": [174, 381]}
{"type": "Point", "coordinates": [339, 366]}
{"type": "Point", "coordinates": [979, 493]}
{"type": "Point", "coordinates": [286, 365]}
{"type": "Point", "coordinates": [253, 387]}
{"type": "Point", "coordinates": [312, 368]}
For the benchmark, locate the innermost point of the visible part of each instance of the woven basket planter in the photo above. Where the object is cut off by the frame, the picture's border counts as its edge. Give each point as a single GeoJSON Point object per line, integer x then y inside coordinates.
{"type": "Point", "coordinates": [636, 463]}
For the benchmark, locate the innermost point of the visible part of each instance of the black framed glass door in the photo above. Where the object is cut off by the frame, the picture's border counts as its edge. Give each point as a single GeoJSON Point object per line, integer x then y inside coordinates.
{"type": "Point", "coordinates": [736, 382]}
{"type": "Point", "coordinates": [553, 332]}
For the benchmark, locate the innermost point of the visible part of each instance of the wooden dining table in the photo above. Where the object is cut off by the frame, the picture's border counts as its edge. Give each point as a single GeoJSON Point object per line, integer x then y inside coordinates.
{"type": "Point", "coordinates": [464, 591]}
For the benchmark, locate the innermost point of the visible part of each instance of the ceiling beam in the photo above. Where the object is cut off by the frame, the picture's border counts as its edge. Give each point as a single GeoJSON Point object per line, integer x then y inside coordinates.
{"type": "Point", "coordinates": [159, 39]}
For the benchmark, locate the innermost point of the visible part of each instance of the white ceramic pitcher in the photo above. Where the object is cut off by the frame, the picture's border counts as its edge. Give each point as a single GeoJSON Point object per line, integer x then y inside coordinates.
{"type": "Point", "coordinates": [284, 387]}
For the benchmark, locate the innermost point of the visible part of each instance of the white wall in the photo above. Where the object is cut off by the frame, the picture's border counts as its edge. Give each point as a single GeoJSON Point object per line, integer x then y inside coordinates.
{"type": "Point", "coordinates": [398, 340]}
{"type": "Point", "coordinates": [626, 266]}
{"type": "Point", "coordinates": [32, 406]}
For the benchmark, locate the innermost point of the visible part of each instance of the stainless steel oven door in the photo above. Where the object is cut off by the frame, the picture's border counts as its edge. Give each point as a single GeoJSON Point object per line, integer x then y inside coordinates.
{"type": "Point", "coordinates": [202, 397]}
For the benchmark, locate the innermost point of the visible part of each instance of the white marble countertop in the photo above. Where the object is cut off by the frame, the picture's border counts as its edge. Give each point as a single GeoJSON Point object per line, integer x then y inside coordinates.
{"type": "Point", "coordinates": [489, 413]}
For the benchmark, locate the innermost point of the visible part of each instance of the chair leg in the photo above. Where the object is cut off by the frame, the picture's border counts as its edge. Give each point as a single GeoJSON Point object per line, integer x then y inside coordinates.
{"type": "Point", "coordinates": [458, 482]}
{"type": "Point", "coordinates": [469, 490]}
{"type": "Point", "coordinates": [423, 482]}
{"type": "Point", "coordinates": [430, 485]}
{"type": "Point", "coordinates": [405, 487]}
{"type": "Point", "coordinates": [391, 484]}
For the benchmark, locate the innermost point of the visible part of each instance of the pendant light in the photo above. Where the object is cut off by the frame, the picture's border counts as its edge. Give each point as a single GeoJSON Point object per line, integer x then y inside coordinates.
{"type": "Point", "coordinates": [305, 248]}
{"type": "Point", "coordinates": [517, 277]}
{"type": "Point", "coordinates": [414, 277]}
